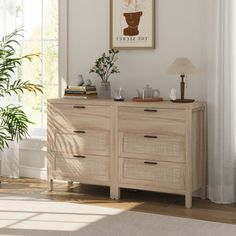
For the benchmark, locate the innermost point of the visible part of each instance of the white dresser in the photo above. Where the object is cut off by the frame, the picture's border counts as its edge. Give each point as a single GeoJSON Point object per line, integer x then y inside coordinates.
{"type": "Point", "coordinates": [149, 146]}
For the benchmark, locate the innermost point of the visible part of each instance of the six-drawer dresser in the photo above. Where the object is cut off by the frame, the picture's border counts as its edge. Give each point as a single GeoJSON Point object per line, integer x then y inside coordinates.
{"type": "Point", "coordinates": [149, 146]}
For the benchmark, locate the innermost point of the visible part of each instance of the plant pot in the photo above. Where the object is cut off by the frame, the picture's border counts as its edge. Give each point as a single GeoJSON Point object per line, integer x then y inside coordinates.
{"type": "Point", "coordinates": [105, 90]}
{"type": "Point", "coordinates": [133, 20]}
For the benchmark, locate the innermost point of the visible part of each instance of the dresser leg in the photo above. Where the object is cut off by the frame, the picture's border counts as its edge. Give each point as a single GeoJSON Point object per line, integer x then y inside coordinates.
{"type": "Point", "coordinates": [115, 193]}
{"type": "Point", "coordinates": [188, 200]}
{"type": "Point", "coordinates": [204, 156]}
{"type": "Point", "coordinates": [50, 185]}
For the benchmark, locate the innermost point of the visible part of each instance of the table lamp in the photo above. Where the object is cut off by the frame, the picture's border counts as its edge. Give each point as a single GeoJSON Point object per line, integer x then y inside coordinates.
{"type": "Point", "coordinates": [183, 67]}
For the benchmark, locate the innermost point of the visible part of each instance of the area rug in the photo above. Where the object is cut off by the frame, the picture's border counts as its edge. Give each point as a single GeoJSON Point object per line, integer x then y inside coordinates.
{"type": "Point", "coordinates": [28, 216]}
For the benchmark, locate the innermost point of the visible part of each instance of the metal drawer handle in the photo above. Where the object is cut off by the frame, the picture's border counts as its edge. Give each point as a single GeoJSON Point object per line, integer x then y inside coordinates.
{"type": "Point", "coordinates": [150, 136]}
{"type": "Point", "coordinates": [79, 132]}
{"type": "Point", "coordinates": [150, 110]}
{"type": "Point", "coordinates": [150, 163]}
{"type": "Point", "coordinates": [79, 107]}
{"type": "Point", "coordinates": [79, 156]}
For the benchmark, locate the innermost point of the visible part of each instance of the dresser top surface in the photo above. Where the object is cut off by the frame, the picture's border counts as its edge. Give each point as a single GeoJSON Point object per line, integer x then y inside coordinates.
{"type": "Point", "coordinates": [110, 102]}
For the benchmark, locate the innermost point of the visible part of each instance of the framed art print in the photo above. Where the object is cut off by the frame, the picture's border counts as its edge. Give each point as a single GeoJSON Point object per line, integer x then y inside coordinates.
{"type": "Point", "coordinates": [132, 24]}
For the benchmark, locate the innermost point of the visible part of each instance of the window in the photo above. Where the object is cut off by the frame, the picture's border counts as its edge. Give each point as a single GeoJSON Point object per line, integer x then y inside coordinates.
{"type": "Point", "coordinates": [40, 21]}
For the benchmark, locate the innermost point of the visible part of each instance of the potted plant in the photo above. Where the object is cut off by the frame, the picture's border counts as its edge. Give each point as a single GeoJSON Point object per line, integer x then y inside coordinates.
{"type": "Point", "coordinates": [104, 67]}
{"type": "Point", "coordinates": [132, 16]}
{"type": "Point", "coordinates": [13, 121]}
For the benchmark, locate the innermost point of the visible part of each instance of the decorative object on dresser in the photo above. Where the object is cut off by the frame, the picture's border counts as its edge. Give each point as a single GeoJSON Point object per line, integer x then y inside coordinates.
{"type": "Point", "coordinates": [172, 94]}
{"type": "Point", "coordinates": [105, 67]}
{"type": "Point", "coordinates": [157, 99]}
{"type": "Point", "coordinates": [82, 92]}
{"type": "Point", "coordinates": [154, 147]}
{"type": "Point", "coordinates": [132, 24]}
{"type": "Point", "coordinates": [182, 67]}
{"type": "Point", "coordinates": [80, 81]}
{"type": "Point", "coordinates": [148, 95]}
{"type": "Point", "coordinates": [119, 95]}
{"type": "Point", "coordinates": [105, 90]}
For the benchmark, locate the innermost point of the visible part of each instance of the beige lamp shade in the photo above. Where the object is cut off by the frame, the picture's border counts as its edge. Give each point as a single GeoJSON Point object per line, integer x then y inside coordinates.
{"type": "Point", "coordinates": [182, 66]}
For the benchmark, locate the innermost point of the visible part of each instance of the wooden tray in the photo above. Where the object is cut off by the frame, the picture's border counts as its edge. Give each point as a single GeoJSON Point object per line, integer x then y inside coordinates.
{"type": "Point", "coordinates": [158, 99]}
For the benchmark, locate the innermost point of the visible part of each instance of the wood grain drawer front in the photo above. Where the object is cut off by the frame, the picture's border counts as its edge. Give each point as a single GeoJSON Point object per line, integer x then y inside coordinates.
{"type": "Point", "coordinates": [90, 142]}
{"type": "Point", "coordinates": [87, 168]}
{"type": "Point", "coordinates": [154, 147]}
{"type": "Point", "coordinates": [149, 173]}
{"type": "Point", "coordinates": [81, 116]}
{"type": "Point", "coordinates": [147, 120]}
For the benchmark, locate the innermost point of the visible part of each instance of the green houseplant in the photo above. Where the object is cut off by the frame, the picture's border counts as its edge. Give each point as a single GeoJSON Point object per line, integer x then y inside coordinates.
{"type": "Point", "coordinates": [13, 121]}
{"type": "Point", "coordinates": [105, 67]}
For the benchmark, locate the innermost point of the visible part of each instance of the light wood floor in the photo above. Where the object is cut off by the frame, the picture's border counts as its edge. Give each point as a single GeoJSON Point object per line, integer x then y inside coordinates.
{"type": "Point", "coordinates": [142, 201]}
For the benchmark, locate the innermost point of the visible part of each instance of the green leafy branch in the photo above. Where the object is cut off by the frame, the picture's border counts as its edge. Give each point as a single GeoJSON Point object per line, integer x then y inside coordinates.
{"type": "Point", "coordinates": [105, 65]}
{"type": "Point", "coordinates": [13, 121]}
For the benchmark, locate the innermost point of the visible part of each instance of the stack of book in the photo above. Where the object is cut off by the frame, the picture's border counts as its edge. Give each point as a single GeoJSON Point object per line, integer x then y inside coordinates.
{"type": "Point", "coordinates": [83, 92]}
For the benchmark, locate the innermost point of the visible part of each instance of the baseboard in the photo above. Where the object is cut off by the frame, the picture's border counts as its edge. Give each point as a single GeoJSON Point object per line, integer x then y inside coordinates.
{"type": "Point", "coordinates": [31, 172]}
{"type": "Point", "coordinates": [197, 193]}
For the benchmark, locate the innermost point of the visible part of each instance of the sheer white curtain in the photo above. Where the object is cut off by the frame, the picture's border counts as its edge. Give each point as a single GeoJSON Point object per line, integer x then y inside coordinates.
{"type": "Point", "coordinates": [221, 94]}
{"type": "Point", "coordinates": [10, 157]}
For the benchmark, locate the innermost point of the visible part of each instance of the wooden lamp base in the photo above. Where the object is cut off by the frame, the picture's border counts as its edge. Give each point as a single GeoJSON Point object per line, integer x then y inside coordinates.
{"type": "Point", "coordinates": [183, 100]}
{"type": "Point", "coordinates": [182, 88]}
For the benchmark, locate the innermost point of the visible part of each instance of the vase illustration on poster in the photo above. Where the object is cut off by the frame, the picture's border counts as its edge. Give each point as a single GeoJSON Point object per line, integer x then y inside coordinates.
{"type": "Point", "coordinates": [132, 14]}
{"type": "Point", "coordinates": [132, 24]}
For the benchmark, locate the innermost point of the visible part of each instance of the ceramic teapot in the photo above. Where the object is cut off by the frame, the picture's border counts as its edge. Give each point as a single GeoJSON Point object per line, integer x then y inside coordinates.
{"type": "Point", "coordinates": [148, 92]}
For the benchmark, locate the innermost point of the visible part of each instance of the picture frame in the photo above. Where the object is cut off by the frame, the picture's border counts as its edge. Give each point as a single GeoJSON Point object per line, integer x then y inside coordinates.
{"type": "Point", "coordinates": [132, 24]}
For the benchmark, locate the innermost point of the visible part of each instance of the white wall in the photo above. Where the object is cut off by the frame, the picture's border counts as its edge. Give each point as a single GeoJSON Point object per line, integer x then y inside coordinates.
{"type": "Point", "coordinates": [180, 31]}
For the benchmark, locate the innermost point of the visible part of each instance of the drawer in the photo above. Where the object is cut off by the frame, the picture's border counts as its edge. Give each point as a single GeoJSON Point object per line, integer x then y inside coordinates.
{"type": "Point", "coordinates": [153, 147]}
{"type": "Point", "coordinates": [84, 168]}
{"type": "Point", "coordinates": [86, 142]}
{"type": "Point", "coordinates": [164, 175]}
{"type": "Point", "coordinates": [80, 116]}
{"type": "Point", "coordinates": [148, 120]}
{"type": "Point", "coordinates": [151, 113]}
